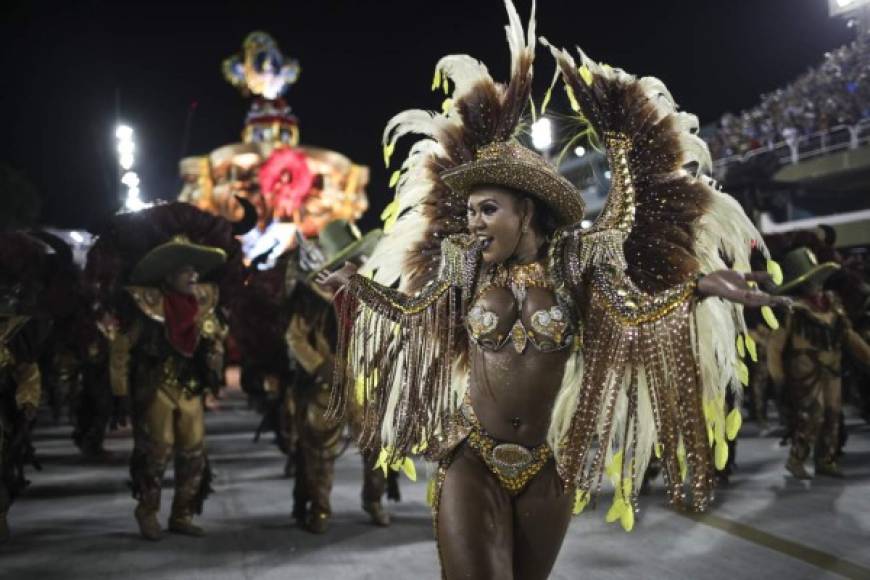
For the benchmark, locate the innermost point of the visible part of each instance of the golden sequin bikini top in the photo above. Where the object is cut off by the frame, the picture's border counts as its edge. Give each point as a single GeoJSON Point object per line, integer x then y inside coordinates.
{"type": "Point", "coordinates": [547, 329]}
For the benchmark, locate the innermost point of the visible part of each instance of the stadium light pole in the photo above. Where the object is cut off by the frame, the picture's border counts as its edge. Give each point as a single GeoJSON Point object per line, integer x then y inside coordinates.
{"type": "Point", "coordinates": [126, 147]}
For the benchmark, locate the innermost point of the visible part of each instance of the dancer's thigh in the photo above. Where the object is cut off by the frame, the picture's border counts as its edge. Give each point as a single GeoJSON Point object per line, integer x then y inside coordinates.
{"type": "Point", "coordinates": [475, 522]}
{"type": "Point", "coordinates": [541, 517]}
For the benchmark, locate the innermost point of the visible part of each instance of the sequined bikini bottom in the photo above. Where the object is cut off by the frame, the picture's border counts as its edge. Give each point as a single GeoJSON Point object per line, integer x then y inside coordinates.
{"type": "Point", "coordinates": [512, 464]}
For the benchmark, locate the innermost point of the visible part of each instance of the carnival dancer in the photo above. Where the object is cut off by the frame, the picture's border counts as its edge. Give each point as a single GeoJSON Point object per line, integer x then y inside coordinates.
{"type": "Point", "coordinates": [57, 362]}
{"type": "Point", "coordinates": [169, 348]}
{"type": "Point", "coordinates": [804, 357]}
{"type": "Point", "coordinates": [91, 403]}
{"type": "Point", "coordinates": [258, 321]}
{"type": "Point", "coordinates": [311, 339]}
{"type": "Point", "coordinates": [22, 334]}
{"type": "Point", "coordinates": [75, 361]}
{"type": "Point", "coordinates": [518, 337]}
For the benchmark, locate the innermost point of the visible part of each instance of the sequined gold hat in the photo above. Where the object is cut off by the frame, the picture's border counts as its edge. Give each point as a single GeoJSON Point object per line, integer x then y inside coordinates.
{"type": "Point", "coordinates": [510, 164]}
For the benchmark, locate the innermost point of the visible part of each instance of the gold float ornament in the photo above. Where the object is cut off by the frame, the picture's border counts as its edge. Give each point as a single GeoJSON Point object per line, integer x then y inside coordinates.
{"type": "Point", "coordinates": [260, 68]}
{"type": "Point", "coordinates": [197, 183]}
{"type": "Point", "coordinates": [338, 192]}
{"type": "Point", "coordinates": [233, 172]}
{"type": "Point", "coordinates": [293, 188]}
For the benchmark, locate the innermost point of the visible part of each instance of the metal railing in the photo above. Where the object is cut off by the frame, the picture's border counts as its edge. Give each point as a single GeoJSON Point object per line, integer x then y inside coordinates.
{"type": "Point", "coordinates": [794, 150]}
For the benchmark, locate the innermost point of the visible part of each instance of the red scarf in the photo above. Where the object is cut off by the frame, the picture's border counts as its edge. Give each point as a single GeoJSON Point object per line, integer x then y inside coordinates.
{"type": "Point", "coordinates": [180, 312]}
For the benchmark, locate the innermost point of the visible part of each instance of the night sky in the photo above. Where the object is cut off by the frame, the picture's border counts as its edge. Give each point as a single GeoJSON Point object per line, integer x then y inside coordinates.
{"type": "Point", "coordinates": [362, 62]}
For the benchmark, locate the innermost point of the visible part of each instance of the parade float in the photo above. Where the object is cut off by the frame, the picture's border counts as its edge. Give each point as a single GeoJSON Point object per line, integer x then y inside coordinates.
{"type": "Point", "coordinates": [295, 188]}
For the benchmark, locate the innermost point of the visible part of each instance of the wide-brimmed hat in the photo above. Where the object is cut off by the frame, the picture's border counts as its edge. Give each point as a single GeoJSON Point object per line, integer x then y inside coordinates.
{"type": "Point", "coordinates": [510, 164]}
{"type": "Point", "coordinates": [169, 257]}
{"type": "Point", "coordinates": [801, 266]}
{"type": "Point", "coordinates": [340, 241]}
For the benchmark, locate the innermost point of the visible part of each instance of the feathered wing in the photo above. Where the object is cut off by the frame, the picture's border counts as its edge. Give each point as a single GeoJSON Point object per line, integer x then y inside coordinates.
{"type": "Point", "coordinates": [399, 353]}
{"type": "Point", "coordinates": [657, 366]}
{"type": "Point", "coordinates": [478, 112]}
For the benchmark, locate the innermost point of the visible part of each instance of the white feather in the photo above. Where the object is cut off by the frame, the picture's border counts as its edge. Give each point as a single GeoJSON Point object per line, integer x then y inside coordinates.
{"type": "Point", "coordinates": [695, 150]}
{"type": "Point", "coordinates": [411, 121]}
{"type": "Point", "coordinates": [566, 403]}
{"type": "Point", "coordinates": [653, 86]}
{"type": "Point", "coordinates": [463, 71]}
{"type": "Point", "coordinates": [514, 31]}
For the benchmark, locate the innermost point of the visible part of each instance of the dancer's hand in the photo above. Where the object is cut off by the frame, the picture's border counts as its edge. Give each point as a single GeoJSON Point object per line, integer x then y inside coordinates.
{"type": "Point", "coordinates": [735, 286]}
{"type": "Point", "coordinates": [334, 281]}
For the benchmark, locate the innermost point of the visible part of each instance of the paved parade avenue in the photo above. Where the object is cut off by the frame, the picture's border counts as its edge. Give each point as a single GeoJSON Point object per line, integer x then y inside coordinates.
{"type": "Point", "coordinates": [76, 521]}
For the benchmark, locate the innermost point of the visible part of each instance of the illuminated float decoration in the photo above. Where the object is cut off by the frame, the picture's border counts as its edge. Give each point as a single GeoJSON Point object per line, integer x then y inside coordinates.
{"type": "Point", "coordinates": [294, 187]}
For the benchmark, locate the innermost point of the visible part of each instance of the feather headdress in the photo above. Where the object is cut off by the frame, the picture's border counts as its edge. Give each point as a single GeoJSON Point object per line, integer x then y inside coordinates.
{"type": "Point", "coordinates": [479, 123]}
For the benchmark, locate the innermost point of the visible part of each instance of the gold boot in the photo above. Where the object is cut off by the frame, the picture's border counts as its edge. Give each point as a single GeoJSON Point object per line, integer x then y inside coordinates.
{"type": "Point", "coordinates": [190, 475]}
{"type": "Point", "coordinates": [183, 524]}
{"type": "Point", "coordinates": [796, 467]}
{"type": "Point", "coordinates": [829, 469]}
{"type": "Point", "coordinates": [380, 517]}
{"type": "Point", "coordinates": [317, 522]}
{"type": "Point", "coordinates": [149, 527]}
{"type": "Point", "coordinates": [146, 469]}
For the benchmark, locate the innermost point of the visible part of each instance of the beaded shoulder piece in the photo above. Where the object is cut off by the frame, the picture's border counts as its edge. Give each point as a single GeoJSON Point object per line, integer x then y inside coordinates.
{"type": "Point", "coordinates": [399, 351]}
{"type": "Point", "coordinates": [664, 220]}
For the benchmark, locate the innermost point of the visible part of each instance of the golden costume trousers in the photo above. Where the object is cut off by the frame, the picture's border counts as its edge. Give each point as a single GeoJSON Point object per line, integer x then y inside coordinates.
{"type": "Point", "coordinates": [816, 398]}
{"type": "Point", "coordinates": [170, 422]}
{"type": "Point", "coordinates": [321, 443]}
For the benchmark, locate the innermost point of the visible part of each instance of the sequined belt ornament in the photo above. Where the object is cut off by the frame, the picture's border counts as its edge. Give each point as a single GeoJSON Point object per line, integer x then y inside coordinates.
{"type": "Point", "coordinates": [511, 463]}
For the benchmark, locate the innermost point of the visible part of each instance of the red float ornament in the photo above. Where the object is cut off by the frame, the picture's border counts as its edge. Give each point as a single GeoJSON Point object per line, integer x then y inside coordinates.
{"type": "Point", "coordinates": [285, 181]}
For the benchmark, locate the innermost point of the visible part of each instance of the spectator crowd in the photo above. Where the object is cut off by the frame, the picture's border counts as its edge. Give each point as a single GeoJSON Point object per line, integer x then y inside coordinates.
{"type": "Point", "coordinates": [837, 92]}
